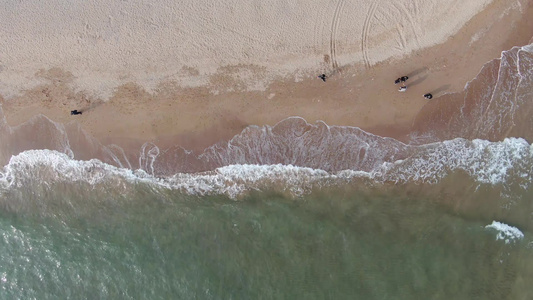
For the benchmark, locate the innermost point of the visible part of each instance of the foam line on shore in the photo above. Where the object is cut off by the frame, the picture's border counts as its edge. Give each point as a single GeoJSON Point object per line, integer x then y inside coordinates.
{"type": "Point", "coordinates": [495, 163]}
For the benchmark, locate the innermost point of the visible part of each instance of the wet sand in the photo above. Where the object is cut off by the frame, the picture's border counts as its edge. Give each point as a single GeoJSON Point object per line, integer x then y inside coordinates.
{"type": "Point", "coordinates": [360, 94]}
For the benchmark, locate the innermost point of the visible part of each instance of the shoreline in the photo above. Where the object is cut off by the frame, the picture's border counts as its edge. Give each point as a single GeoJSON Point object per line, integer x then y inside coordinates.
{"type": "Point", "coordinates": [195, 118]}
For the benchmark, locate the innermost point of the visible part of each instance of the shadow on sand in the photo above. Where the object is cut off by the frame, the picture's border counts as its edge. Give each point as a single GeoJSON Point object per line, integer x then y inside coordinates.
{"type": "Point", "coordinates": [417, 71]}
{"type": "Point", "coordinates": [440, 89]}
{"type": "Point", "coordinates": [419, 80]}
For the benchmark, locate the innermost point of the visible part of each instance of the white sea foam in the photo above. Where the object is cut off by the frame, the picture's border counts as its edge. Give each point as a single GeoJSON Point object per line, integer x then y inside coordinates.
{"type": "Point", "coordinates": [486, 162]}
{"type": "Point", "coordinates": [505, 162]}
{"type": "Point", "coordinates": [50, 166]}
{"type": "Point", "coordinates": [30, 164]}
{"type": "Point", "coordinates": [505, 232]}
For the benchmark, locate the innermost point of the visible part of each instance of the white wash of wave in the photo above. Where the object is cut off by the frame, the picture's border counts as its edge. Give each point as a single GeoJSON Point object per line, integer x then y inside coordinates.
{"type": "Point", "coordinates": [507, 162]}
{"type": "Point", "coordinates": [48, 166]}
{"type": "Point", "coordinates": [486, 162]}
{"type": "Point", "coordinates": [51, 165]}
{"type": "Point", "coordinates": [506, 232]}
{"type": "Point", "coordinates": [236, 180]}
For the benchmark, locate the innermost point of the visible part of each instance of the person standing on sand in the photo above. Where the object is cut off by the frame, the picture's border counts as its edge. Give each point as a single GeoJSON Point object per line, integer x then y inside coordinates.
{"type": "Point", "coordinates": [401, 79]}
{"type": "Point", "coordinates": [428, 96]}
{"type": "Point", "coordinates": [323, 77]}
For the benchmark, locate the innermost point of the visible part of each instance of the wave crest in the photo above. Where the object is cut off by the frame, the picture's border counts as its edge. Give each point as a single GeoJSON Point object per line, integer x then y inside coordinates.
{"type": "Point", "coordinates": [507, 163]}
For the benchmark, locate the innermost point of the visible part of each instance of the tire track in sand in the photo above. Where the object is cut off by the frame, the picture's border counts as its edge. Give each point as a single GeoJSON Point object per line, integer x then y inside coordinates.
{"type": "Point", "coordinates": [364, 35]}
{"type": "Point", "coordinates": [334, 27]}
{"type": "Point", "coordinates": [321, 33]}
{"type": "Point", "coordinates": [410, 19]}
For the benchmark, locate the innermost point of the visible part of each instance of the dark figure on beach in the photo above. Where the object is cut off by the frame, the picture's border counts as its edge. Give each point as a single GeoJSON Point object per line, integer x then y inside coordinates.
{"type": "Point", "coordinates": [75, 112]}
{"type": "Point", "coordinates": [428, 96]}
{"type": "Point", "coordinates": [323, 77]}
{"type": "Point", "coordinates": [401, 79]}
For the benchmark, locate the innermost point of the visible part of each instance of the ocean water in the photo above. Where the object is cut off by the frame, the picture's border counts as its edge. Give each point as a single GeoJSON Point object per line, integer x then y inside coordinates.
{"type": "Point", "coordinates": [291, 211]}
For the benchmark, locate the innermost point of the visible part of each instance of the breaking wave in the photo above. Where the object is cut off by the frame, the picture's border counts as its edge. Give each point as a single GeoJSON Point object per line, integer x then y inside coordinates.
{"type": "Point", "coordinates": [508, 234]}
{"type": "Point", "coordinates": [509, 162]}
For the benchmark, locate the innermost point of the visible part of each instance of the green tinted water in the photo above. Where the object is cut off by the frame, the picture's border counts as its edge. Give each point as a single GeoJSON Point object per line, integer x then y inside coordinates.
{"type": "Point", "coordinates": [85, 243]}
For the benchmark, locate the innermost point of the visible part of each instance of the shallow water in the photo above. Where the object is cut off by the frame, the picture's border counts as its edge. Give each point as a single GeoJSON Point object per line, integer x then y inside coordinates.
{"type": "Point", "coordinates": [78, 241]}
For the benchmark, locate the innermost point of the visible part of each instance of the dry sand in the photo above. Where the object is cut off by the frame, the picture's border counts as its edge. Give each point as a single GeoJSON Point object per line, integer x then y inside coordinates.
{"type": "Point", "coordinates": [194, 74]}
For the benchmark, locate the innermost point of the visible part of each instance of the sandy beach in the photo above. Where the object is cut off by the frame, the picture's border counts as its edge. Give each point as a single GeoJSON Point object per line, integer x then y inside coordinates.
{"type": "Point", "coordinates": [192, 75]}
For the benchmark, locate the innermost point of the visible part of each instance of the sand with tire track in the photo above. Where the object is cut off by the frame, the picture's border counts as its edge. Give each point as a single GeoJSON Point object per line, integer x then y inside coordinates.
{"type": "Point", "coordinates": [194, 72]}
{"type": "Point", "coordinates": [108, 43]}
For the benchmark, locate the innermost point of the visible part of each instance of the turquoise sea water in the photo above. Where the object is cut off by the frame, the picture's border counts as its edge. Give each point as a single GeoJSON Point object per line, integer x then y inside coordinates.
{"type": "Point", "coordinates": [77, 241]}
